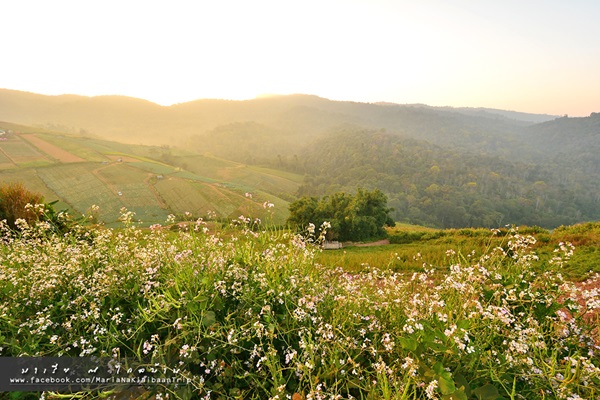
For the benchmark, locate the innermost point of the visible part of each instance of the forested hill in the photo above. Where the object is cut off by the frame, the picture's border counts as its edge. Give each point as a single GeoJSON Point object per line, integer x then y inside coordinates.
{"type": "Point", "coordinates": [567, 142]}
{"type": "Point", "coordinates": [430, 185]}
{"type": "Point", "coordinates": [441, 166]}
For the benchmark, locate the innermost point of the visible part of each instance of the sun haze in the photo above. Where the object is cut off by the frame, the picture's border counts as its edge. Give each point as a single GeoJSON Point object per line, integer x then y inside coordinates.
{"type": "Point", "coordinates": [529, 56]}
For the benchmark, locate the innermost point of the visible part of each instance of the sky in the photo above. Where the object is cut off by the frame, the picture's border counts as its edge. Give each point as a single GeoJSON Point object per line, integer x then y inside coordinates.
{"type": "Point", "coordinates": [539, 56]}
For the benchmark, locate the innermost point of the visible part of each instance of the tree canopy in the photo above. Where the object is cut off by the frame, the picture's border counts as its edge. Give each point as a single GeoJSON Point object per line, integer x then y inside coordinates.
{"type": "Point", "coordinates": [356, 217]}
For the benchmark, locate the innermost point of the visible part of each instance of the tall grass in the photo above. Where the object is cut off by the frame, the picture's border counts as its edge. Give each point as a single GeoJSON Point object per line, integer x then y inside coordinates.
{"type": "Point", "coordinates": [253, 315]}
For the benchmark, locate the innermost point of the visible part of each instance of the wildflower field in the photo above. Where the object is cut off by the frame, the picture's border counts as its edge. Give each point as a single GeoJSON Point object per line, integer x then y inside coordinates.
{"type": "Point", "coordinates": [247, 312]}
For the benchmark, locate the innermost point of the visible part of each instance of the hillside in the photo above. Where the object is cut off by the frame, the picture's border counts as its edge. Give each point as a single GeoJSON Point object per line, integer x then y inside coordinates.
{"type": "Point", "coordinates": [297, 117]}
{"type": "Point", "coordinates": [151, 181]}
{"type": "Point", "coordinates": [431, 185]}
{"type": "Point", "coordinates": [441, 166]}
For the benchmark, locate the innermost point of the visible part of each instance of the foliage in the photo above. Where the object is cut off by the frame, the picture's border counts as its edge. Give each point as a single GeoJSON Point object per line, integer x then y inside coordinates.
{"type": "Point", "coordinates": [356, 217]}
{"type": "Point", "coordinates": [247, 314]}
{"type": "Point", "coordinates": [21, 209]}
{"type": "Point", "coordinates": [427, 184]}
{"type": "Point", "coordinates": [14, 201]}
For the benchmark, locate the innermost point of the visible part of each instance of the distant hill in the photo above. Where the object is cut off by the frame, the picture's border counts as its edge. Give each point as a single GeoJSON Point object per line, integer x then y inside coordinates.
{"type": "Point", "coordinates": [526, 118]}
{"type": "Point", "coordinates": [482, 166]}
{"type": "Point", "coordinates": [127, 119]}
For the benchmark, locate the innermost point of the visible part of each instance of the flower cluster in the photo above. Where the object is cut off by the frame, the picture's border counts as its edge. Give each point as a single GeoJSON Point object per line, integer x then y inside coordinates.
{"type": "Point", "coordinates": [245, 313]}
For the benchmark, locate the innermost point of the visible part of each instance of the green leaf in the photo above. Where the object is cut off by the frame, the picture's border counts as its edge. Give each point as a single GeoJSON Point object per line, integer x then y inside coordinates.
{"type": "Point", "coordinates": [486, 392]}
{"type": "Point", "coordinates": [439, 347]}
{"type": "Point", "coordinates": [408, 344]}
{"type": "Point", "coordinates": [457, 395]}
{"type": "Point", "coordinates": [438, 368]}
{"type": "Point", "coordinates": [445, 381]}
{"type": "Point", "coordinates": [461, 381]}
{"type": "Point", "coordinates": [463, 324]}
{"type": "Point", "coordinates": [209, 319]}
{"type": "Point", "coordinates": [199, 303]}
{"type": "Point", "coordinates": [446, 385]}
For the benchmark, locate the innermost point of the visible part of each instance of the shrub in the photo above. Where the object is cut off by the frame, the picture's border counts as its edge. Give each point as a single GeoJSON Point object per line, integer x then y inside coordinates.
{"type": "Point", "coordinates": [404, 237]}
{"type": "Point", "coordinates": [14, 199]}
{"type": "Point", "coordinates": [19, 203]}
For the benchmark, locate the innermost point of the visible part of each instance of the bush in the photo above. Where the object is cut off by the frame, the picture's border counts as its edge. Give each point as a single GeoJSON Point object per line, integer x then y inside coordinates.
{"type": "Point", "coordinates": [359, 217]}
{"type": "Point", "coordinates": [18, 203]}
{"type": "Point", "coordinates": [406, 237]}
{"type": "Point", "coordinates": [14, 199]}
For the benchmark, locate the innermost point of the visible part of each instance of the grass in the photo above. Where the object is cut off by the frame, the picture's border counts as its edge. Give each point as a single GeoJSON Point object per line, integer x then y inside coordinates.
{"type": "Point", "coordinates": [416, 248]}
{"type": "Point", "coordinates": [253, 314]}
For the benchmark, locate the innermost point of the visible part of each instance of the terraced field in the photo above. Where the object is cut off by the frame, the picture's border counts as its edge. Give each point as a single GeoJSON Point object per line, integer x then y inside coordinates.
{"type": "Point", "coordinates": [76, 146]}
{"type": "Point", "coordinates": [80, 188]}
{"type": "Point", "coordinates": [21, 152]}
{"type": "Point", "coordinates": [55, 152]}
{"type": "Point", "coordinates": [152, 181]}
{"type": "Point", "coordinates": [5, 162]}
{"type": "Point", "coordinates": [133, 190]}
{"type": "Point", "coordinates": [268, 180]}
{"type": "Point", "coordinates": [32, 180]}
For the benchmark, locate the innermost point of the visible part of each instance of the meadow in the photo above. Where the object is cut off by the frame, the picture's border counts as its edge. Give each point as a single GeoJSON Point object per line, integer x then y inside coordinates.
{"type": "Point", "coordinates": [252, 311]}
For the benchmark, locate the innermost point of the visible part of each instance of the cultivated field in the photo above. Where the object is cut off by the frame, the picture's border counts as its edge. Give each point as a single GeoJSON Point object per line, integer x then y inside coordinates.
{"type": "Point", "coordinates": [21, 152]}
{"type": "Point", "coordinates": [76, 146]}
{"type": "Point", "coordinates": [53, 151]}
{"type": "Point", "coordinates": [152, 181]}
{"type": "Point", "coordinates": [80, 188]}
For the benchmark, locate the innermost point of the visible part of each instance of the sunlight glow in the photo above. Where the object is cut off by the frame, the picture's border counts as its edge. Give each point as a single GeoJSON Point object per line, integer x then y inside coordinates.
{"type": "Point", "coordinates": [461, 53]}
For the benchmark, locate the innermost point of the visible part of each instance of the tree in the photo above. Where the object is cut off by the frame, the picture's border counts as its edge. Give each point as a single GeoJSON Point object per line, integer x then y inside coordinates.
{"type": "Point", "coordinates": [352, 217]}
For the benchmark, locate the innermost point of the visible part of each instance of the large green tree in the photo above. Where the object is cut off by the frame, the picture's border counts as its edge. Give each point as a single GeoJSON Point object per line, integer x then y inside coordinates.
{"type": "Point", "coordinates": [356, 217]}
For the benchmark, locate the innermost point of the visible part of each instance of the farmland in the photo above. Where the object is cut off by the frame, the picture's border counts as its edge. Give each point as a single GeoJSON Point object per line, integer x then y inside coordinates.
{"type": "Point", "coordinates": [22, 153]}
{"type": "Point", "coordinates": [51, 150]}
{"type": "Point", "coordinates": [150, 181]}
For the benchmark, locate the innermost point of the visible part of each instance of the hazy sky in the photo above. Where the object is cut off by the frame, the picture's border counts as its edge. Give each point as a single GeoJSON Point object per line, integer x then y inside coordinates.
{"type": "Point", "coordinates": [535, 56]}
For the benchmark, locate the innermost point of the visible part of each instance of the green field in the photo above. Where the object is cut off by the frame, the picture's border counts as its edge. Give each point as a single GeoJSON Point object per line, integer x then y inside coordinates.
{"type": "Point", "coordinates": [435, 249]}
{"type": "Point", "coordinates": [202, 198]}
{"type": "Point", "coordinates": [152, 181]}
{"type": "Point", "coordinates": [4, 159]}
{"type": "Point", "coordinates": [278, 183]}
{"type": "Point", "coordinates": [78, 187]}
{"type": "Point", "coordinates": [20, 151]}
{"type": "Point", "coordinates": [75, 146]}
{"type": "Point", "coordinates": [154, 167]}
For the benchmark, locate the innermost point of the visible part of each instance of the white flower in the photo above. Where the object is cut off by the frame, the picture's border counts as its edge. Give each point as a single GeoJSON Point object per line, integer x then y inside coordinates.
{"type": "Point", "coordinates": [430, 390]}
